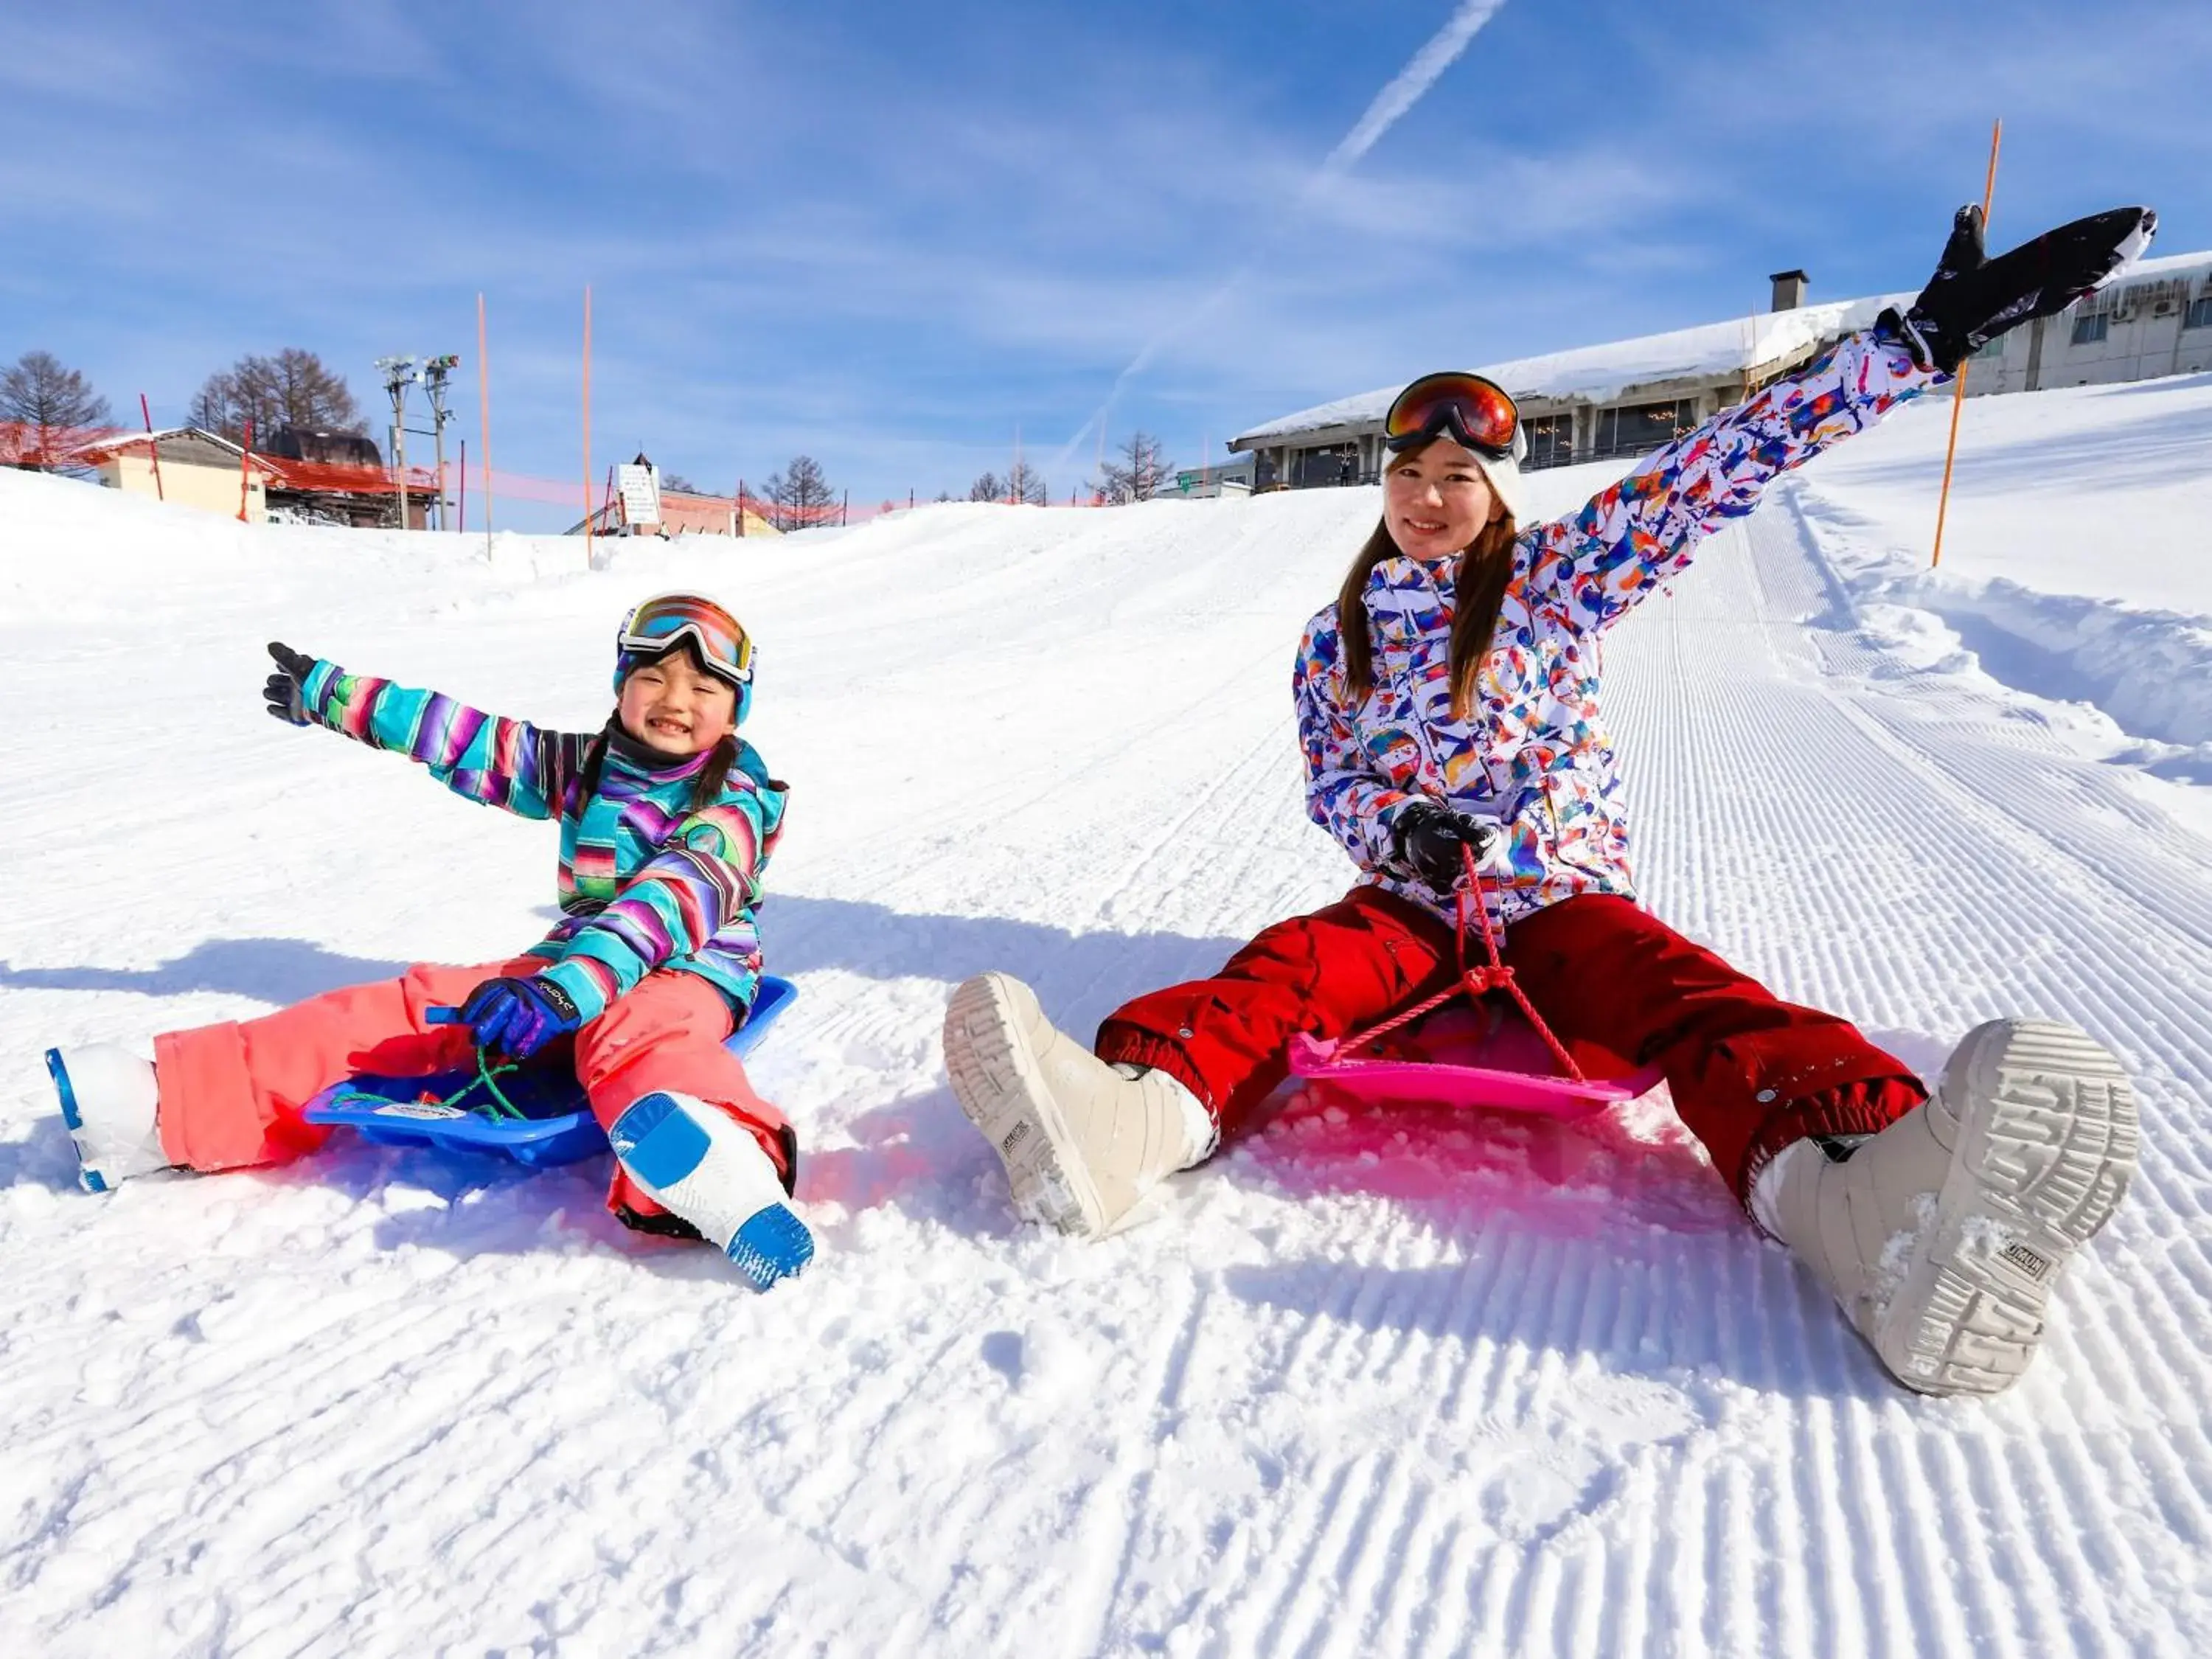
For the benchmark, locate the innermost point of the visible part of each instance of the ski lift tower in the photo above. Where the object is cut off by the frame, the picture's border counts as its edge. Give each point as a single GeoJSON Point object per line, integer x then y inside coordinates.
{"type": "Point", "coordinates": [436, 373]}
{"type": "Point", "coordinates": [399, 373]}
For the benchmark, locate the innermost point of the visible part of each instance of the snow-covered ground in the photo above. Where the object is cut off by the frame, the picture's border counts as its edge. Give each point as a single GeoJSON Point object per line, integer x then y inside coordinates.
{"type": "Point", "coordinates": [1415, 1383]}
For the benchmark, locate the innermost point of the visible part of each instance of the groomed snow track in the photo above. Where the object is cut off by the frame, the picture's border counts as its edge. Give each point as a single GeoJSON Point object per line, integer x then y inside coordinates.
{"type": "Point", "coordinates": [1415, 1384]}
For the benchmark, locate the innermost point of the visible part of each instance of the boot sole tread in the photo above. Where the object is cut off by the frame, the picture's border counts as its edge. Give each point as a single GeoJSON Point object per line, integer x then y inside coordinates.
{"type": "Point", "coordinates": [2043, 1160]}
{"type": "Point", "coordinates": [1003, 1095]}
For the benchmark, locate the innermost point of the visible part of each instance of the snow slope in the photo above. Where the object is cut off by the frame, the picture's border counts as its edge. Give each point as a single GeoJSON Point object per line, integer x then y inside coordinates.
{"type": "Point", "coordinates": [1418, 1384]}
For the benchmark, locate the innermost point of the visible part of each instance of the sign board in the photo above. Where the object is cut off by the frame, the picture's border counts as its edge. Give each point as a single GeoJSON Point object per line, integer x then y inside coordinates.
{"type": "Point", "coordinates": [639, 490]}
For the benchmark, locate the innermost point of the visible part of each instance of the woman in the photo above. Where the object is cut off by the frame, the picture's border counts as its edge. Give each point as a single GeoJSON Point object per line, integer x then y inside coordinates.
{"type": "Point", "coordinates": [1448, 708]}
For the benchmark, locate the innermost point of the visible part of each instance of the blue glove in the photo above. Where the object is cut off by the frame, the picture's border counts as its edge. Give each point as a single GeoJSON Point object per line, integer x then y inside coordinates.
{"type": "Point", "coordinates": [519, 1016]}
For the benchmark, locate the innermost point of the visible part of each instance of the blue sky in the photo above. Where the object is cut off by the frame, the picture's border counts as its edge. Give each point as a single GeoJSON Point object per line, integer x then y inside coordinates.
{"type": "Point", "coordinates": [890, 235]}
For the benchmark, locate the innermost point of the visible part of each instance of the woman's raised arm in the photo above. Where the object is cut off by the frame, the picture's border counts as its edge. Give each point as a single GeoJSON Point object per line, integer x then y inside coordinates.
{"type": "Point", "coordinates": [1634, 535]}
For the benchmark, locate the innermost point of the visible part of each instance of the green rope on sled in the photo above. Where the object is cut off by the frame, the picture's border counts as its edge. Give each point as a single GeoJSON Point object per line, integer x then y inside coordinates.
{"type": "Point", "coordinates": [499, 1106]}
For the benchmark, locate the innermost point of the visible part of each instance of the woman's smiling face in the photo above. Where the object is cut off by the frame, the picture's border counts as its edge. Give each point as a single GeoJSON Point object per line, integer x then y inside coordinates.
{"type": "Point", "coordinates": [1436, 500]}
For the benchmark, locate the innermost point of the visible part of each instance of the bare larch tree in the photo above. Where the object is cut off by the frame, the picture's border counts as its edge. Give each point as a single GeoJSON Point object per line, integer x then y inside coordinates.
{"type": "Point", "coordinates": [51, 412]}
{"type": "Point", "coordinates": [293, 388]}
{"type": "Point", "coordinates": [1140, 471]}
{"type": "Point", "coordinates": [801, 494]}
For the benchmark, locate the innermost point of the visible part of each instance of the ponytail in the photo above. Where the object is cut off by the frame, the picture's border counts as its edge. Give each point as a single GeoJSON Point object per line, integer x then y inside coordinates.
{"type": "Point", "coordinates": [707, 788]}
{"type": "Point", "coordinates": [1484, 569]}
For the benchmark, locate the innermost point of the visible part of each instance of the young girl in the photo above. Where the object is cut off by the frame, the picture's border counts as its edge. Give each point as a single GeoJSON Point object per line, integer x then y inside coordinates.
{"type": "Point", "coordinates": [1448, 705]}
{"type": "Point", "coordinates": [667, 819]}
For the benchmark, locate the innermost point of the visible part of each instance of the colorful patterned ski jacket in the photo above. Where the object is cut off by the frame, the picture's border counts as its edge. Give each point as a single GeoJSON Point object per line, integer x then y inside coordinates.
{"type": "Point", "coordinates": [645, 881]}
{"type": "Point", "coordinates": [1535, 755]}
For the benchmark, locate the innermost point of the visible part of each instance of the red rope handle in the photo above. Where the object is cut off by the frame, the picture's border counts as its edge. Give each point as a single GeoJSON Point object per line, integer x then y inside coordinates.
{"type": "Point", "coordinates": [1476, 982]}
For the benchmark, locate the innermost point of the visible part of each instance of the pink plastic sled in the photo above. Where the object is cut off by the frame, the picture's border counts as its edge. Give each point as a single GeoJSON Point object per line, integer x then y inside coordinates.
{"type": "Point", "coordinates": [1494, 1051]}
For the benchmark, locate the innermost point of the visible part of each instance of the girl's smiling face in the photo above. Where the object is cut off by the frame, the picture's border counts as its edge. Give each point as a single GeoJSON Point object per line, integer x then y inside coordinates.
{"type": "Point", "coordinates": [1436, 500]}
{"type": "Point", "coordinates": [676, 707]}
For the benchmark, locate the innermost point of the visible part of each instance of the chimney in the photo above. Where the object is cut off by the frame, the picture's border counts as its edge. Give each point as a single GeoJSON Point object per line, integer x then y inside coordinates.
{"type": "Point", "coordinates": [1789, 289]}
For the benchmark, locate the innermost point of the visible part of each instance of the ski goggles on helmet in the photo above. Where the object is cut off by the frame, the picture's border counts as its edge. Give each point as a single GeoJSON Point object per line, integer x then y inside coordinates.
{"type": "Point", "coordinates": [660, 624]}
{"type": "Point", "coordinates": [1478, 413]}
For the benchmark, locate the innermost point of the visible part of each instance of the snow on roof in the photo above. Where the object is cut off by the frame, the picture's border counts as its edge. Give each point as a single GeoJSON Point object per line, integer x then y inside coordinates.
{"type": "Point", "coordinates": [2167, 264]}
{"type": "Point", "coordinates": [1601, 373]}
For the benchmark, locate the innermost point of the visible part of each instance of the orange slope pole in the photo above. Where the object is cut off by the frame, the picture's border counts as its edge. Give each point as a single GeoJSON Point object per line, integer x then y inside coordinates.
{"type": "Point", "coordinates": [1958, 389]}
{"type": "Point", "coordinates": [153, 447]}
{"type": "Point", "coordinates": [587, 424]}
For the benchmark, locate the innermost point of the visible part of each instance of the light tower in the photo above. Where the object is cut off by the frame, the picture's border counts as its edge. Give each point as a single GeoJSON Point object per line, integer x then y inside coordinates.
{"type": "Point", "coordinates": [436, 371]}
{"type": "Point", "coordinates": [398, 374]}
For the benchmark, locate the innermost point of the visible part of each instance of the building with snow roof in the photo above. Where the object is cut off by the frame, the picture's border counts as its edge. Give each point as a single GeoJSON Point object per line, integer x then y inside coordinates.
{"type": "Point", "coordinates": [189, 467]}
{"type": "Point", "coordinates": [1628, 397]}
{"type": "Point", "coordinates": [324, 479]}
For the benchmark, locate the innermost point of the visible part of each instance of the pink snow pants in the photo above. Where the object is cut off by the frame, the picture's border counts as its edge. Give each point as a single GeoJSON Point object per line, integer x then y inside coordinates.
{"type": "Point", "coordinates": [1749, 1073]}
{"type": "Point", "coordinates": [231, 1094]}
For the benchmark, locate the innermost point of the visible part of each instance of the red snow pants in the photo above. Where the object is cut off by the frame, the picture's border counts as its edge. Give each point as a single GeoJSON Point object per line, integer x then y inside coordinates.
{"type": "Point", "coordinates": [231, 1094]}
{"type": "Point", "coordinates": [1749, 1073]}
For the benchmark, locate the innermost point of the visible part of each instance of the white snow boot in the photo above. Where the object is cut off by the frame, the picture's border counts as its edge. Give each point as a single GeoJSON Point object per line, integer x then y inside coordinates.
{"type": "Point", "coordinates": [1942, 1235]}
{"type": "Point", "coordinates": [700, 1164]}
{"type": "Point", "coordinates": [1082, 1140]}
{"type": "Point", "coordinates": [109, 1100]}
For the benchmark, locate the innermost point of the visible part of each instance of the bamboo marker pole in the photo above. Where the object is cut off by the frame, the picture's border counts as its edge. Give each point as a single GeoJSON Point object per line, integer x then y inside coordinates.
{"type": "Point", "coordinates": [587, 426]}
{"type": "Point", "coordinates": [483, 411]}
{"type": "Point", "coordinates": [153, 449]}
{"type": "Point", "coordinates": [1959, 386]}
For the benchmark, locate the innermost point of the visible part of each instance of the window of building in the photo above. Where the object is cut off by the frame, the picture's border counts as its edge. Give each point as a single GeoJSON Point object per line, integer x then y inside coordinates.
{"type": "Point", "coordinates": [1992, 348]}
{"type": "Point", "coordinates": [2199, 314]}
{"type": "Point", "coordinates": [1550, 440]}
{"type": "Point", "coordinates": [2091, 327]}
{"type": "Point", "coordinates": [1632, 428]}
{"type": "Point", "coordinates": [1325, 469]}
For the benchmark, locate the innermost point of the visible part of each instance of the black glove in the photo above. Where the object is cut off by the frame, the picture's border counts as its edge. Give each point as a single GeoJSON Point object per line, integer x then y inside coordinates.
{"type": "Point", "coordinates": [284, 693]}
{"type": "Point", "coordinates": [1431, 840]}
{"type": "Point", "coordinates": [1972, 298]}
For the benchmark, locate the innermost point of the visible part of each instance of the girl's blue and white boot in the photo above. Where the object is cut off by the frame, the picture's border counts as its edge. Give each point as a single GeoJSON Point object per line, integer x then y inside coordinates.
{"type": "Point", "coordinates": [699, 1165]}
{"type": "Point", "coordinates": [109, 1099]}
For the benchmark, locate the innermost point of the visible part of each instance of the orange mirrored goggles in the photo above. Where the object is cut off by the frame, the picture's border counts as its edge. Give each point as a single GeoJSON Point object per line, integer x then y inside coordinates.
{"type": "Point", "coordinates": [1477, 413]}
{"type": "Point", "coordinates": [667, 620]}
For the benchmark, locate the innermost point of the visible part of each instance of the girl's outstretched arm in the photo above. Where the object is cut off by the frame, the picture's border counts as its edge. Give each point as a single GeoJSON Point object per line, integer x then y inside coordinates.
{"type": "Point", "coordinates": [706, 875]}
{"type": "Point", "coordinates": [1346, 792]}
{"type": "Point", "coordinates": [502, 763]}
{"type": "Point", "coordinates": [1633, 535]}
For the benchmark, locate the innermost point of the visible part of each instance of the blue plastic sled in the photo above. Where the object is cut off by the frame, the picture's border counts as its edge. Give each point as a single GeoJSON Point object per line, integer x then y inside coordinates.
{"type": "Point", "coordinates": [556, 1126]}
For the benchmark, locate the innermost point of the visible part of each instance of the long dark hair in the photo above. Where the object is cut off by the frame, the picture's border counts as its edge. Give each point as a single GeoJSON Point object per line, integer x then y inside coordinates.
{"type": "Point", "coordinates": [1484, 568]}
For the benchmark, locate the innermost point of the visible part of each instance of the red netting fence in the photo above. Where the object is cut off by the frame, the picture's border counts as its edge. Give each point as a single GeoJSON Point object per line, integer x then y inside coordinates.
{"type": "Point", "coordinates": [78, 449]}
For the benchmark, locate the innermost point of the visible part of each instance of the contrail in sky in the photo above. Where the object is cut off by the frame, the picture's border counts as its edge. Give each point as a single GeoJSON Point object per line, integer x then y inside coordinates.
{"type": "Point", "coordinates": [1412, 82]}
{"type": "Point", "coordinates": [1405, 90]}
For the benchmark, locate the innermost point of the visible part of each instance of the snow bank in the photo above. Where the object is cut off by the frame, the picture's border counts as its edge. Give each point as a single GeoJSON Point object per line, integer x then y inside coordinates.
{"type": "Point", "coordinates": [2077, 564]}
